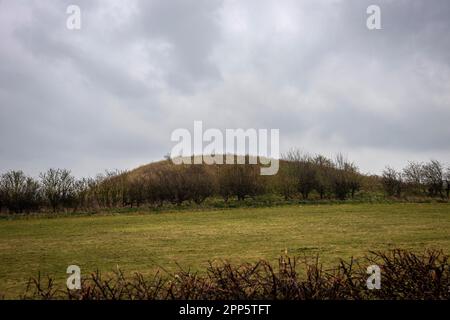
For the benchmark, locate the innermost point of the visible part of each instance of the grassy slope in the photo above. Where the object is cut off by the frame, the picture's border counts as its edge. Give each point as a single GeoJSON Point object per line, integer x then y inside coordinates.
{"type": "Point", "coordinates": [139, 242]}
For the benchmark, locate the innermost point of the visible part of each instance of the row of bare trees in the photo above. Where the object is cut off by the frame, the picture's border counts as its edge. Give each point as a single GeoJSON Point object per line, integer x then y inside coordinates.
{"type": "Point", "coordinates": [418, 179]}
{"type": "Point", "coordinates": [302, 174]}
{"type": "Point", "coordinates": [55, 189]}
{"type": "Point", "coordinates": [169, 183]}
{"type": "Point", "coordinates": [58, 190]}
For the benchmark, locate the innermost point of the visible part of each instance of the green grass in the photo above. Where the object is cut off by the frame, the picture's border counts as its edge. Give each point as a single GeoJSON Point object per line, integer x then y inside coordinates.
{"type": "Point", "coordinates": [143, 241]}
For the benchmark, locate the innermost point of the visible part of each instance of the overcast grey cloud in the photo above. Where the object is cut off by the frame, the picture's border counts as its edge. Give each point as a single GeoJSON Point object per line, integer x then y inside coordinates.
{"type": "Point", "coordinates": [109, 95]}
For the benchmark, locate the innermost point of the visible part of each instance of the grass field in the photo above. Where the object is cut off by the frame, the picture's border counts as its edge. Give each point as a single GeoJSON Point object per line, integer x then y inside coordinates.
{"type": "Point", "coordinates": [142, 241]}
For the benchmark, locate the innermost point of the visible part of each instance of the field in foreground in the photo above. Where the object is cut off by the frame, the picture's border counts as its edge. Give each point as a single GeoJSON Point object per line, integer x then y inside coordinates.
{"type": "Point", "coordinates": [144, 242]}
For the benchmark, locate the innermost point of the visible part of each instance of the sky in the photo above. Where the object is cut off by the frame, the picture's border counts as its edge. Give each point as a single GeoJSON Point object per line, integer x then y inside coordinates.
{"type": "Point", "coordinates": [109, 95]}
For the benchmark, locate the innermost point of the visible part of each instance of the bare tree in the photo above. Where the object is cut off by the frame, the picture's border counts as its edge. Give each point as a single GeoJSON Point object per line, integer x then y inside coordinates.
{"type": "Point", "coordinates": [304, 171]}
{"type": "Point", "coordinates": [19, 192]}
{"type": "Point", "coordinates": [82, 192]}
{"type": "Point", "coordinates": [154, 191]}
{"type": "Point", "coordinates": [324, 171]}
{"type": "Point", "coordinates": [392, 182]}
{"type": "Point", "coordinates": [239, 180]}
{"type": "Point", "coordinates": [178, 184]}
{"type": "Point", "coordinates": [135, 193]}
{"type": "Point", "coordinates": [99, 190]}
{"type": "Point", "coordinates": [414, 177]}
{"type": "Point", "coordinates": [58, 187]}
{"type": "Point", "coordinates": [201, 184]}
{"type": "Point", "coordinates": [286, 181]}
{"type": "Point", "coordinates": [433, 176]}
{"type": "Point", "coordinates": [345, 179]}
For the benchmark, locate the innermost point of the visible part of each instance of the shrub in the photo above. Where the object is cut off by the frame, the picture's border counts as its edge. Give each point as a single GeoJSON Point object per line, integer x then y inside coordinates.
{"type": "Point", "coordinates": [58, 188]}
{"type": "Point", "coordinates": [404, 275]}
{"type": "Point", "coordinates": [392, 182]}
{"type": "Point", "coordinates": [19, 193]}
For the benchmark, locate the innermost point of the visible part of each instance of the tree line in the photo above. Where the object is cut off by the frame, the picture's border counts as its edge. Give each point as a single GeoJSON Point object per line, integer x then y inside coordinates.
{"type": "Point", "coordinates": [430, 179]}
{"type": "Point", "coordinates": [301, 176]}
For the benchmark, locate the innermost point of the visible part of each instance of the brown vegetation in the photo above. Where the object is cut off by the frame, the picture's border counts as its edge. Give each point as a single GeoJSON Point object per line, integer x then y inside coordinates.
{"type": "Point", "coordinates": [300, 176]}
{"type": "Point", "coordinates": [404, 275]}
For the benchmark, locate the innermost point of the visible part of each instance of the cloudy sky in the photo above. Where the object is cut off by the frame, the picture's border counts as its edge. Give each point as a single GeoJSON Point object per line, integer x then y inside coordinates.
{"type": "Point", "coordinates": [110, 94]}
